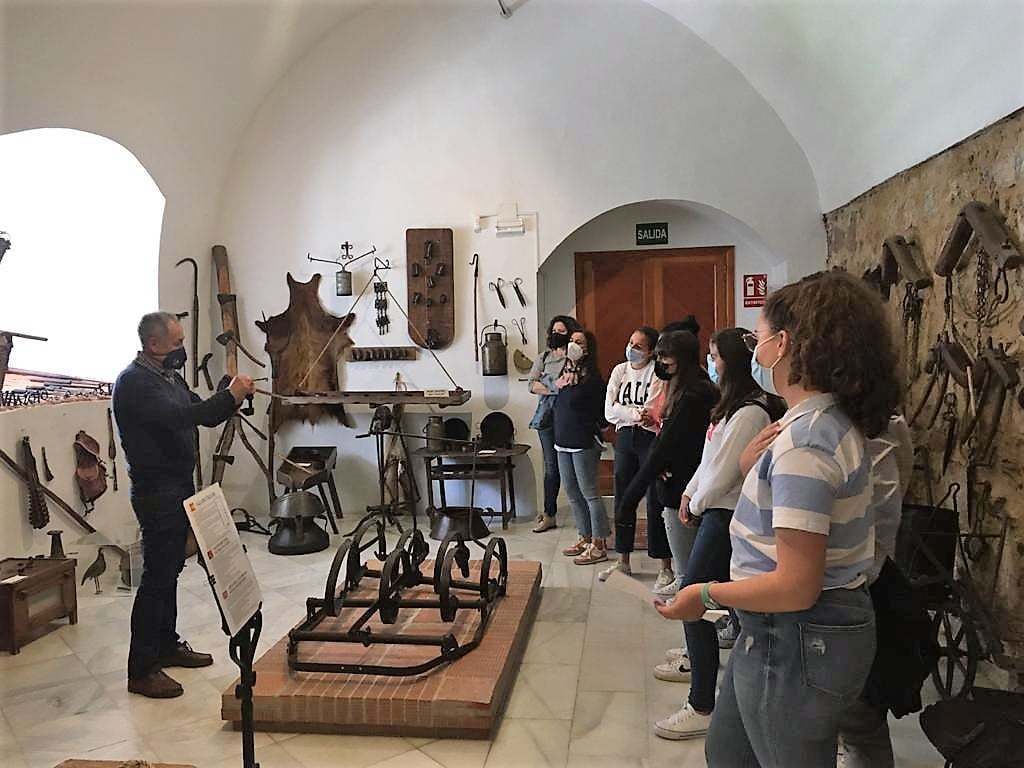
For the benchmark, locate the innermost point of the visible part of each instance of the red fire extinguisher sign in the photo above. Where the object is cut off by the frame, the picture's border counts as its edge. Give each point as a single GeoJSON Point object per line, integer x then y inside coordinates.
{"type": "Point", "coordinates": [755, 290]}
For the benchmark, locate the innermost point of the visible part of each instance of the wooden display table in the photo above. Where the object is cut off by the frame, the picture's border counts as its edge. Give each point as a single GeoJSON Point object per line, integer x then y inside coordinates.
{"type": "Point", "coordinates": [33, 592]}
{"type": "Point", "coordinates": [485, 464]}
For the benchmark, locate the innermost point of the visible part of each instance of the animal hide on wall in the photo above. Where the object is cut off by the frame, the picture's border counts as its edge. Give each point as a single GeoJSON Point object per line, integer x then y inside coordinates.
{"type": "Point", "coordinates": [294, 340]}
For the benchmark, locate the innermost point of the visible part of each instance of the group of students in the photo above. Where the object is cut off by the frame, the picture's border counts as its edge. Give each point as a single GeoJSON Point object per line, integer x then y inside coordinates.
{"type": "Point", "coordinates": [774, 476]}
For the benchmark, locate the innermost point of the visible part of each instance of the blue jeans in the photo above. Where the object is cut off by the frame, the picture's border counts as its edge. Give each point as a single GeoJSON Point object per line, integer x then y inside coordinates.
{"type": "Point", "coordinates": [578, 471]}
{"type": "Point", "coordinates": [709, 561]}
{"type": "Point", "coordinates": [680, 541]}
{"type": "Point", "coordinates": [547, 444]}
{"type": "Point", "coordinates": [155, 611]}
{"type": "Point", "coordinates": [789, 681]}
{"type": "Point", "coordinates": [632, 445]}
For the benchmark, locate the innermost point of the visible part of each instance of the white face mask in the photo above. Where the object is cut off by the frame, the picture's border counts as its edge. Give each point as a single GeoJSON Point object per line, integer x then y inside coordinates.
{"type": "Point", "coordinates": [574, 351]}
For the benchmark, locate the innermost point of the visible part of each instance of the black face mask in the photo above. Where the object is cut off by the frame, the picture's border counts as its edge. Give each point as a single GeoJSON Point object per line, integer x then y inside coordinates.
{"type": "Point", "coordinates": [661, 371]}
{"type": "Point", "coordinates": [558, 340]}
{"type": "Point", "coordinates": [175, 359]}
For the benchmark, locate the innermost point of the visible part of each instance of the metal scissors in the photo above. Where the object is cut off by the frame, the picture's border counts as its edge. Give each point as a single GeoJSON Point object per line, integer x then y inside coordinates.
{"type": "Point", "coordinates": [519, 293]}
{"type": "Point", "coordinates": [520, 325]}
{"type": "Point", "coordinates": [496, 287]}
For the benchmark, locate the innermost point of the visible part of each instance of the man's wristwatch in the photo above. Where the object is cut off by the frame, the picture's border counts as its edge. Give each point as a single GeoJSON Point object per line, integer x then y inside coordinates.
{"type": "Point", "coordinates": [709, 602]}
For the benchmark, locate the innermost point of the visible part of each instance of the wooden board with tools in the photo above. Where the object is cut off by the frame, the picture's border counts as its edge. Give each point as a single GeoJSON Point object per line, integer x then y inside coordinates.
{"type": "Point", "coordinates": [431, 281]}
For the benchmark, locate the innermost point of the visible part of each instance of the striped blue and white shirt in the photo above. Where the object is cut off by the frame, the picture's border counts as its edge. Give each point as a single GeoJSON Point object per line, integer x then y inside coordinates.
{"type": "Point", "coordinates": [815, 477]}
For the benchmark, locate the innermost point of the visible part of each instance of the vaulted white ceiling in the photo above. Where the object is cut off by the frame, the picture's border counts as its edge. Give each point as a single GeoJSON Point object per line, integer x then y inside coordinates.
{"type": "Point", "coordinates": [866, 87]}
{"type": "Point", "coordinates": [870, 87]}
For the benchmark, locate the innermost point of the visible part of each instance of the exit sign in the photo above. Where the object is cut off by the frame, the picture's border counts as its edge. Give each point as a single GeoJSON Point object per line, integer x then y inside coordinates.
{"type": "Point", "coordinates": [652, 234]}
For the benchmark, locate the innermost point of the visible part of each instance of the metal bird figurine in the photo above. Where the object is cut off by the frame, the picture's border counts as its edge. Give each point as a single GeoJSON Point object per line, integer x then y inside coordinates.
{"type": "Point", "coordinates": [124, 566]}
{"type": "Point", "coordinates": [94, 571]}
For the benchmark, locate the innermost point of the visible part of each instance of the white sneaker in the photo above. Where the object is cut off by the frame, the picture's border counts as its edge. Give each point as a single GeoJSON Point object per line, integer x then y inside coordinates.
{"type": "Point", "coordinates": [617, 566]}
{"type": "Point", "coordinates": [665, 576]}
{"type": "Point", "coordinates": [667, 589]}
{"type": "Point", "coordinates": [677, 655]}
{"type": "Point", "coordinates": [687, 723]}
{"type": "Point", "coordinates": [673, 671]}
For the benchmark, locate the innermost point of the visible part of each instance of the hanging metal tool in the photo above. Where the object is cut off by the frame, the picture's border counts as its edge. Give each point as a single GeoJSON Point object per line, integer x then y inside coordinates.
{"type": "Point", "coordinates": [949, 416]}
{"type": "Point", "coordinates": [475, 263]}
{"type": "Point", "coordinates": [998, 379]}
{"type": "Point", "coordinates": [195, 318]}
{"type": "Point", "coordinates": [47, 472]}
{"type": "Point", "coordinates": [112, 448]}
{"type": "Point", "coordinates": [343, 277]}
{"type": "Point", "coordinates": [520, 325]}
{"type": "Point", "coordinates": [230, 337]}
{"type": "Point", "coordinates": [519, 291]}
{"type": "Point", "coordinates": [380, 303]}
{"type": "Point", "coordinates": [496, 287]}
{"type": "Point", "coordinates": [913, 305]}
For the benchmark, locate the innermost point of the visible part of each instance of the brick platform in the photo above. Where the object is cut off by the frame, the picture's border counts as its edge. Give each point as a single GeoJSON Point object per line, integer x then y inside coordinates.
{"type": "Point", "coordinates": [460, 700]}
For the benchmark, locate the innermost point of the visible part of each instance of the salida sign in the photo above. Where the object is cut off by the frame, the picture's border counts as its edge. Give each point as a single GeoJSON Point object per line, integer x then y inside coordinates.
{"type": "Point", "coordinates": [755, 290]}
{"type": "Point", "coordinates": [652, 234]}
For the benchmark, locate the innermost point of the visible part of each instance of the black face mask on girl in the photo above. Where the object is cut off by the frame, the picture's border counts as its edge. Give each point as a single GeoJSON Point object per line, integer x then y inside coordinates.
{"type": "Point", "coordinates": [557, 340]}
{"type": "Point", "coordinates": [661, 371]}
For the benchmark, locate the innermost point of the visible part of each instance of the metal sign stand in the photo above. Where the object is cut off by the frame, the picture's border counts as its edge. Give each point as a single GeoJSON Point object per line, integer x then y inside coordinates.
{"type": "Point", "coordinates": [242, 650]}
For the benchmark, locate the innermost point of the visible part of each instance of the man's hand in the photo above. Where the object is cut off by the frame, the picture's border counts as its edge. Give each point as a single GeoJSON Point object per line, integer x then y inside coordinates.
{"type": "Point", "coordinates": [241, 387]}
{"type": "Point", "coordinates": [756, 447]}
{"type": "Point", "coordinates": [685, 606]}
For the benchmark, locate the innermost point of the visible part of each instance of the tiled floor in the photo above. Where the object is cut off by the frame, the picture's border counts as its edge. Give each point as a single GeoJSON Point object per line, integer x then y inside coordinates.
{"type": "Point", "coordinates": [584, 697]}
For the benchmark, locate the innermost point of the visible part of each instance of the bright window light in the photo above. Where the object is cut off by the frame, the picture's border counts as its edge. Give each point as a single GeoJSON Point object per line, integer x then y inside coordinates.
{"type": "Point", "coordinates": [84, 218]}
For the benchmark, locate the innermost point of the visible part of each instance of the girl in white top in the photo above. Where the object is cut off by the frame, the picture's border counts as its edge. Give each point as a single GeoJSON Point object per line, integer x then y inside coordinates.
{"type": "Point", "coordinates": [707, 505]}
{"type": "Point", "coordinates": [630, 387]}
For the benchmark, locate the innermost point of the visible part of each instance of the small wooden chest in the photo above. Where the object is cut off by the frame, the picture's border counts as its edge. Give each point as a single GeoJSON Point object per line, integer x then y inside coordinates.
{"type": "Point", "coordinates": [34, 592]}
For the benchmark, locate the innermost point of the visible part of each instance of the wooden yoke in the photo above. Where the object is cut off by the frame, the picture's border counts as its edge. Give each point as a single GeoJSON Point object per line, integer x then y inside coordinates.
{"type": "Point", "coordinates": [228, 308]}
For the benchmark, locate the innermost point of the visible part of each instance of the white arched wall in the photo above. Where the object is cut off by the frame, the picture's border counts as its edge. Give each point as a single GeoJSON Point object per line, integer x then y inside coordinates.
{"type": "Point", "coordinates": [690, 225]}
{"type": "Point", "coordinates": [426, 116]}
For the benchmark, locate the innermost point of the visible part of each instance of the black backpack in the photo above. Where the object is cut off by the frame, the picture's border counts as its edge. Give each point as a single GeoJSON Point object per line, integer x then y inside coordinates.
{"type": "Point", "coordinates": [984, 729]}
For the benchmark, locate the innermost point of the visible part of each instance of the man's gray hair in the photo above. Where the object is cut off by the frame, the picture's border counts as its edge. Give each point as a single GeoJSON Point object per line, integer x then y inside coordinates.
{"type": "Point", "coordinates": [154, 324]}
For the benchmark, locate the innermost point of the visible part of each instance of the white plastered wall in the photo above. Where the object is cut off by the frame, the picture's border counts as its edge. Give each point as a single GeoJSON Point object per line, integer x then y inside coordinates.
{"type": "Point", "coordinates": [416, 117]}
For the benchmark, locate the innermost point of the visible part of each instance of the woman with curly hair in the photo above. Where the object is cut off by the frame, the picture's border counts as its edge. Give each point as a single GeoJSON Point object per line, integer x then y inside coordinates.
{"type": "Point", "coordinates": [802, 533]}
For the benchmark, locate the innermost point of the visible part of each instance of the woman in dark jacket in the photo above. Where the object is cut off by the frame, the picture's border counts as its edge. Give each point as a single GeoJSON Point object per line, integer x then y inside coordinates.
{"type": "Point", "coordinates": [579, 418]}
{"type": "Point", "coordinates": [675, 455]}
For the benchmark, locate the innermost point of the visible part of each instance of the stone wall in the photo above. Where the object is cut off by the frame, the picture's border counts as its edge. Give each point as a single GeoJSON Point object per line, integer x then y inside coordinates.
{"type": "Point", "coordinates": [922, 203]}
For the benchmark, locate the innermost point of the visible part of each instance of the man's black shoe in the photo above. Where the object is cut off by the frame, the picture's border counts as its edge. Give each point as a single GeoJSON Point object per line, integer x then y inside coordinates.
{"type": "Point", "coordinates": [184, 656]}
{"type": "Point", "coordinates": [156, 685]}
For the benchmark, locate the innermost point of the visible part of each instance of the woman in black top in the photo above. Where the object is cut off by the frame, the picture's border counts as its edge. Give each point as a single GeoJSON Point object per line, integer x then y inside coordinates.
{"type": "Point", "coordinates": [579, 418]}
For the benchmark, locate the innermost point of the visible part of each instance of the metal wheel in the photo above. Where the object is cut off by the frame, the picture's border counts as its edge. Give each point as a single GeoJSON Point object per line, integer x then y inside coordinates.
{"type": "Point", "coordinates": [959, 650]}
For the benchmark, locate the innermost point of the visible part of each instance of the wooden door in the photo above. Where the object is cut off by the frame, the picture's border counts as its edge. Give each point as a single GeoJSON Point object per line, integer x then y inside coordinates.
{"type": "Point", "coordinates": [616, 291]}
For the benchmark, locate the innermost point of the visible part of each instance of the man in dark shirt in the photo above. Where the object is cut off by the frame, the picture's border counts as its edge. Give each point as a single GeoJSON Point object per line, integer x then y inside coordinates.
{"type": "Point", "coordinates": [157, 415]}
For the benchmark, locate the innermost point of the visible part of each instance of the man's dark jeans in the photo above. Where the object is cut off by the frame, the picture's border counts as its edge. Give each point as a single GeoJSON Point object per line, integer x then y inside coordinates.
{"type": "Point", "coordinates": [709, 561]}
{"type": "Point", "coordinates": [155, 613]}
{"type": "Point", "coordinates": [632, 445]}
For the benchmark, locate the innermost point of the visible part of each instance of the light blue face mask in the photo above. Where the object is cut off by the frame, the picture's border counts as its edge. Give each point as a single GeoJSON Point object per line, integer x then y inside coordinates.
{"type": "Point", "coordinates": [712, 370]}
{"type": "Point", "coordinates": [634, 355]}
{"type": "Point", "coordinates": [763, 376]}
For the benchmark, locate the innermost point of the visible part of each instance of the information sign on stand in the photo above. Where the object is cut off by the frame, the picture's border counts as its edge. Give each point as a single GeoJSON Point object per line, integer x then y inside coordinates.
{"type": "Point", "coordinates": [233, 581]}
{"type": "Point", "coordinates": [231, 574]}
